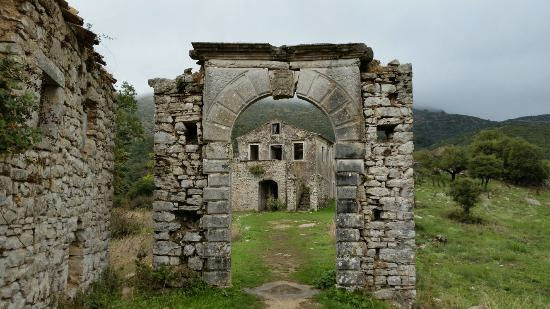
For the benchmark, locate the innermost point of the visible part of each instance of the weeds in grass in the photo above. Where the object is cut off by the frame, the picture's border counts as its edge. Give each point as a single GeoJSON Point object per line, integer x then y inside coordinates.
{"type": "Point", "coordinates": [100, 294]}
{"type": "Point", "coordinates": [327, 280]}
{"type": "Point", "coordinates": [462, 217]}
{"type": "Point", "coordinates": [123, 225]}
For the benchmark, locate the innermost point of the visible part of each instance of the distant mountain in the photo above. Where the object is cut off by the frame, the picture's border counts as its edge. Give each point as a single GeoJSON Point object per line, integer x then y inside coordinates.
{"type": "Point", "coordinates": [434, 129]}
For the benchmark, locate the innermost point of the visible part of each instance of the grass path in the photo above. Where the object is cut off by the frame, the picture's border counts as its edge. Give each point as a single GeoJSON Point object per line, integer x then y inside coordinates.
{"type": "Point", "coordinates": [280, 245]}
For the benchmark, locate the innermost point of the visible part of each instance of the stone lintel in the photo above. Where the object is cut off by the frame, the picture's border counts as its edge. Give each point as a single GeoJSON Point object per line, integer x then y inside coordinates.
{"type": "Point", "coordinates": [203, 51]}
{"type": "Point", "coordinates": [54, 74]}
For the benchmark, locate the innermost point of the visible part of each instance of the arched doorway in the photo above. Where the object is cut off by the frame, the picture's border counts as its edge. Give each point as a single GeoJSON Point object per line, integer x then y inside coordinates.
{"type": "Point", "coordinates": [268, 189]}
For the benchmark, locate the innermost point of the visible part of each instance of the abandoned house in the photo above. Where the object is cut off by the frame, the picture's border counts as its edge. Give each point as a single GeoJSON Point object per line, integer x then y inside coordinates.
{"type": "Point", "coordinates": [55, 199]}
{"type": "Point", "coordinates": [283, 162]}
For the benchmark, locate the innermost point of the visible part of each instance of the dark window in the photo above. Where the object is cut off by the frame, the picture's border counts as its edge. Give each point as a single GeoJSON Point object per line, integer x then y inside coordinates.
{"type": "Point", "coordinates": [275, 128]}
{"type": "Point", "coordinates": [254, 152]}
{"type": "Point", "coordinates": [298, 151]}
{"type": "Point", "coordinates": [191, 136]}
{"type": "Point", "coordinates": [276, 152]}
{"type": "Point", "coordinates": [385, 132]}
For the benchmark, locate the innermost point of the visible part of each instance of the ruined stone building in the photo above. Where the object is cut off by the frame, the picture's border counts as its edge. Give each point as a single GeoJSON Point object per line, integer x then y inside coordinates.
{"type": "Point", "coordinates": [283, 162]}
{"type": "Point", "coordinates": [55, 199]}
{"type": "Point", "coordinates": [370, 109]}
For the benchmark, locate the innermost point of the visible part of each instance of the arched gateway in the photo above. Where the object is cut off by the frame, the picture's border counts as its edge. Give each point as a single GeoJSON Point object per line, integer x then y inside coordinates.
{"type": "Point", "coordinates": [195, 114]}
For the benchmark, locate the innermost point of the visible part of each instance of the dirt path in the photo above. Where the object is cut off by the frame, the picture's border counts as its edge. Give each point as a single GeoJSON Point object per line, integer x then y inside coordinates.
{"type": "Point", "coordinates": [284, 259]}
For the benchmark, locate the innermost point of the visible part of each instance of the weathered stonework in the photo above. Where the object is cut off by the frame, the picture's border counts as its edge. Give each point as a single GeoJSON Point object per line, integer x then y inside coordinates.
{"type": "Point", "coordinates": [55, 199]}
{"type": "Point", "coordinates": [374, 177]}
{"type": "Point", "coordinates": [304, 184]}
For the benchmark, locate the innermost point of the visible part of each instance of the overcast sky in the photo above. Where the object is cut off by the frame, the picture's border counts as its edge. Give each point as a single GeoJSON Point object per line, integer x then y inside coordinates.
{"type": "Point", "coordinates": [489, 59]}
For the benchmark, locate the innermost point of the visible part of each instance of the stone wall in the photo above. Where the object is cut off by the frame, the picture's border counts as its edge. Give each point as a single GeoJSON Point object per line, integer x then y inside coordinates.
{"type": "Point", "coordinates": [389, 262]}
{"type": "Point", "coordinates": [55, 199]}
{"type": "Point", "coordinates": [374, 177]}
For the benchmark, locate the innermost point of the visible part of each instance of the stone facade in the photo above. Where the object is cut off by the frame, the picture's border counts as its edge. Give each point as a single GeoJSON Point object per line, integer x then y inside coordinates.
{"type": "Point", "coordinates": [55, 199]}
{"type": "Point", "coordinates": [370, 109]}
{"type": "Point", "coordinates": [305, 183]}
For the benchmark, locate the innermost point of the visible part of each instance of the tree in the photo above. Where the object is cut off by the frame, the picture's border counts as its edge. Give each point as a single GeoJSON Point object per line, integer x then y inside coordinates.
{"type": "Point", "coordinates": [454, 160]}
{"type": "Point", "coordinates": [489, 142]}
{"type": "Point", "coordinates": [523, 163]}
{"type": "Point", "coordinates": [486, 167]}
{"type": "Point", "coordinates": [16, 108]}
{"type": "Point", "coordinates": [465, 192]}
{"type": "Point", "coordinates": [425, 166]}
{"type": "Point", "coordinates": [128, 130]}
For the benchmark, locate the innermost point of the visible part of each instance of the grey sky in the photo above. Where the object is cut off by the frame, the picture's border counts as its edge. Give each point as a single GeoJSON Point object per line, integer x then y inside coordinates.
{"type": "Point", "coordinates": [489, 59]}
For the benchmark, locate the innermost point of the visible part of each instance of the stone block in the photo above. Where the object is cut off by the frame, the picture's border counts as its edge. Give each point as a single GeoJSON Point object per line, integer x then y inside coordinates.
{"type": "Point", "coordinates": [216, 263]}
{"type": "Point", "coordinates": [350, 220]}
{"type": "Point", "coordinates": [54, 74]}
{"type": "Point", "coordinates": [346, 206]}
{"type": "Point", "coordinates": [358, 248]}
{"type": "Point", "coordinates": [163, 206]}
{"type": "Point", "coordinates": [345, 234]}
{"type": "Point", "coordinates": [215, 221]}
{"type": "Point", "coordinates": [166, 248]}
{"type": "Point", "coordinates": [350, 278]}
{"type": "Point", "coordinates": [346, 192]}
{"type": "Point", "coordinates": [217, 249]}
{"type": "Point", "coordinates": [218, 151]}
{"type": "Point", "coordinates": [215, 166]}
{"type": "Point", "coordinates": [216, 194]}
{"type": "Point", "coordinates": [218, 207]}
{"type": "Point", "coordinates": [217, 278]}
{"type": "Point", "coordinates": [347, 179]}
{"type": "Point", "coordinates": [350, 165]}
{"type": "Point", "coordinates": [348, 263]}
{"type": "Point", "coordinates": [218, 180]}
{"type": "Point", "coordinates": [192, 237]}
{"type": "Point", "coordinates": [349, 151]}
{"type": "Point", "coordinates": [195, 263]}
{"type": "Point", "coordinates": [218, 234]}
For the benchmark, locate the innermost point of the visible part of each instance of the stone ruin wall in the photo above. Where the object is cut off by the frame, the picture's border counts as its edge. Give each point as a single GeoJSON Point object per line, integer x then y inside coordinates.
{"type": "Point", "coordinates": [374, 177]}
{"type": "Point", "coordinates": [55, 199]}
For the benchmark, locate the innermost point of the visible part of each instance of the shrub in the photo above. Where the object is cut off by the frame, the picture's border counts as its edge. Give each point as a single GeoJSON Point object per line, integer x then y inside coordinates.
{"type": "Point", "coordinates": [274, 204]}
{"type": "Point", "coordinates": [339, 298]}
{"type": "Point", "coordinates": [327, 280]}
{"type": "Point", "coordinates": [143, 187]}
{"type": "Point", "coordinates": [256, 170]}
{"type": "Point", "coordinates": [100, 295]}
{"type": "Point", "coordinates": [465, 192]}
{"type": "Point", "coordinates": [16, 109]}
{"type": "Point", "coordinates": [122, 225]}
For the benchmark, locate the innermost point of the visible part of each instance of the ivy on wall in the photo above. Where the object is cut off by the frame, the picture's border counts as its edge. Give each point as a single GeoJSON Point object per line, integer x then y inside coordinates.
{"type": "Point", "coordinates": [16, 109]}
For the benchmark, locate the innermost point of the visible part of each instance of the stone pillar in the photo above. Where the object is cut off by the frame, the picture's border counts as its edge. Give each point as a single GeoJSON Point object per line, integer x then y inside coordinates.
{"type": "Point", "coordinates": [389, 184]}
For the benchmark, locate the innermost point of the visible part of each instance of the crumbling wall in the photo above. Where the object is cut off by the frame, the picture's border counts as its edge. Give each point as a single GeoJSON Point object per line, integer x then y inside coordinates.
{"type": "Point", "coordinates": [55, 199]}
{"type": "Point", "coordinates": [389, 184]}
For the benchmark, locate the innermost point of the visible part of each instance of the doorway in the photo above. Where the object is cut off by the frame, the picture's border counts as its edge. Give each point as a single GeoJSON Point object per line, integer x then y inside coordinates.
{"type": "Point", "coordinates": [268, 189]}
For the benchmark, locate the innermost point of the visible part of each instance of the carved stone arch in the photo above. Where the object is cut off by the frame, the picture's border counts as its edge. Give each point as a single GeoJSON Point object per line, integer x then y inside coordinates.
{"type": "Point", "coordinates": [312, 86]}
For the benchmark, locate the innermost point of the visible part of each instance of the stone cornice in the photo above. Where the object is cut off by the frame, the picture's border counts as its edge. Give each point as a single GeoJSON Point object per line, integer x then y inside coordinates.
{"type": "Point", "coordinates": [203, 51]}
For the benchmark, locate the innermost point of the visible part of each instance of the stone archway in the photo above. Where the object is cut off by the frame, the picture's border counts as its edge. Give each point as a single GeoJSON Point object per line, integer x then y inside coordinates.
{"type": "Point", "coordinates": [375, 228]}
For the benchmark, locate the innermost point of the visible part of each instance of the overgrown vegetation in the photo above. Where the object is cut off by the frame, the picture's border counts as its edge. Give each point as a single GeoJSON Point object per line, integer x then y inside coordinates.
{"type": "Point", "coordinates": [256, 170]}
{"type": "Point", "coordinates": [17, 106]}
{"type": "Point", "coordinates": [274, 204]}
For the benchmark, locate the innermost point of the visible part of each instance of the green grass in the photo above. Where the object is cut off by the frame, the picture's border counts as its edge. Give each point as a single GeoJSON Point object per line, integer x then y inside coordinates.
{"type": "Point", "coordinates": [312, 247]}
{"type": "Point", "coordinates": [502, 263]}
